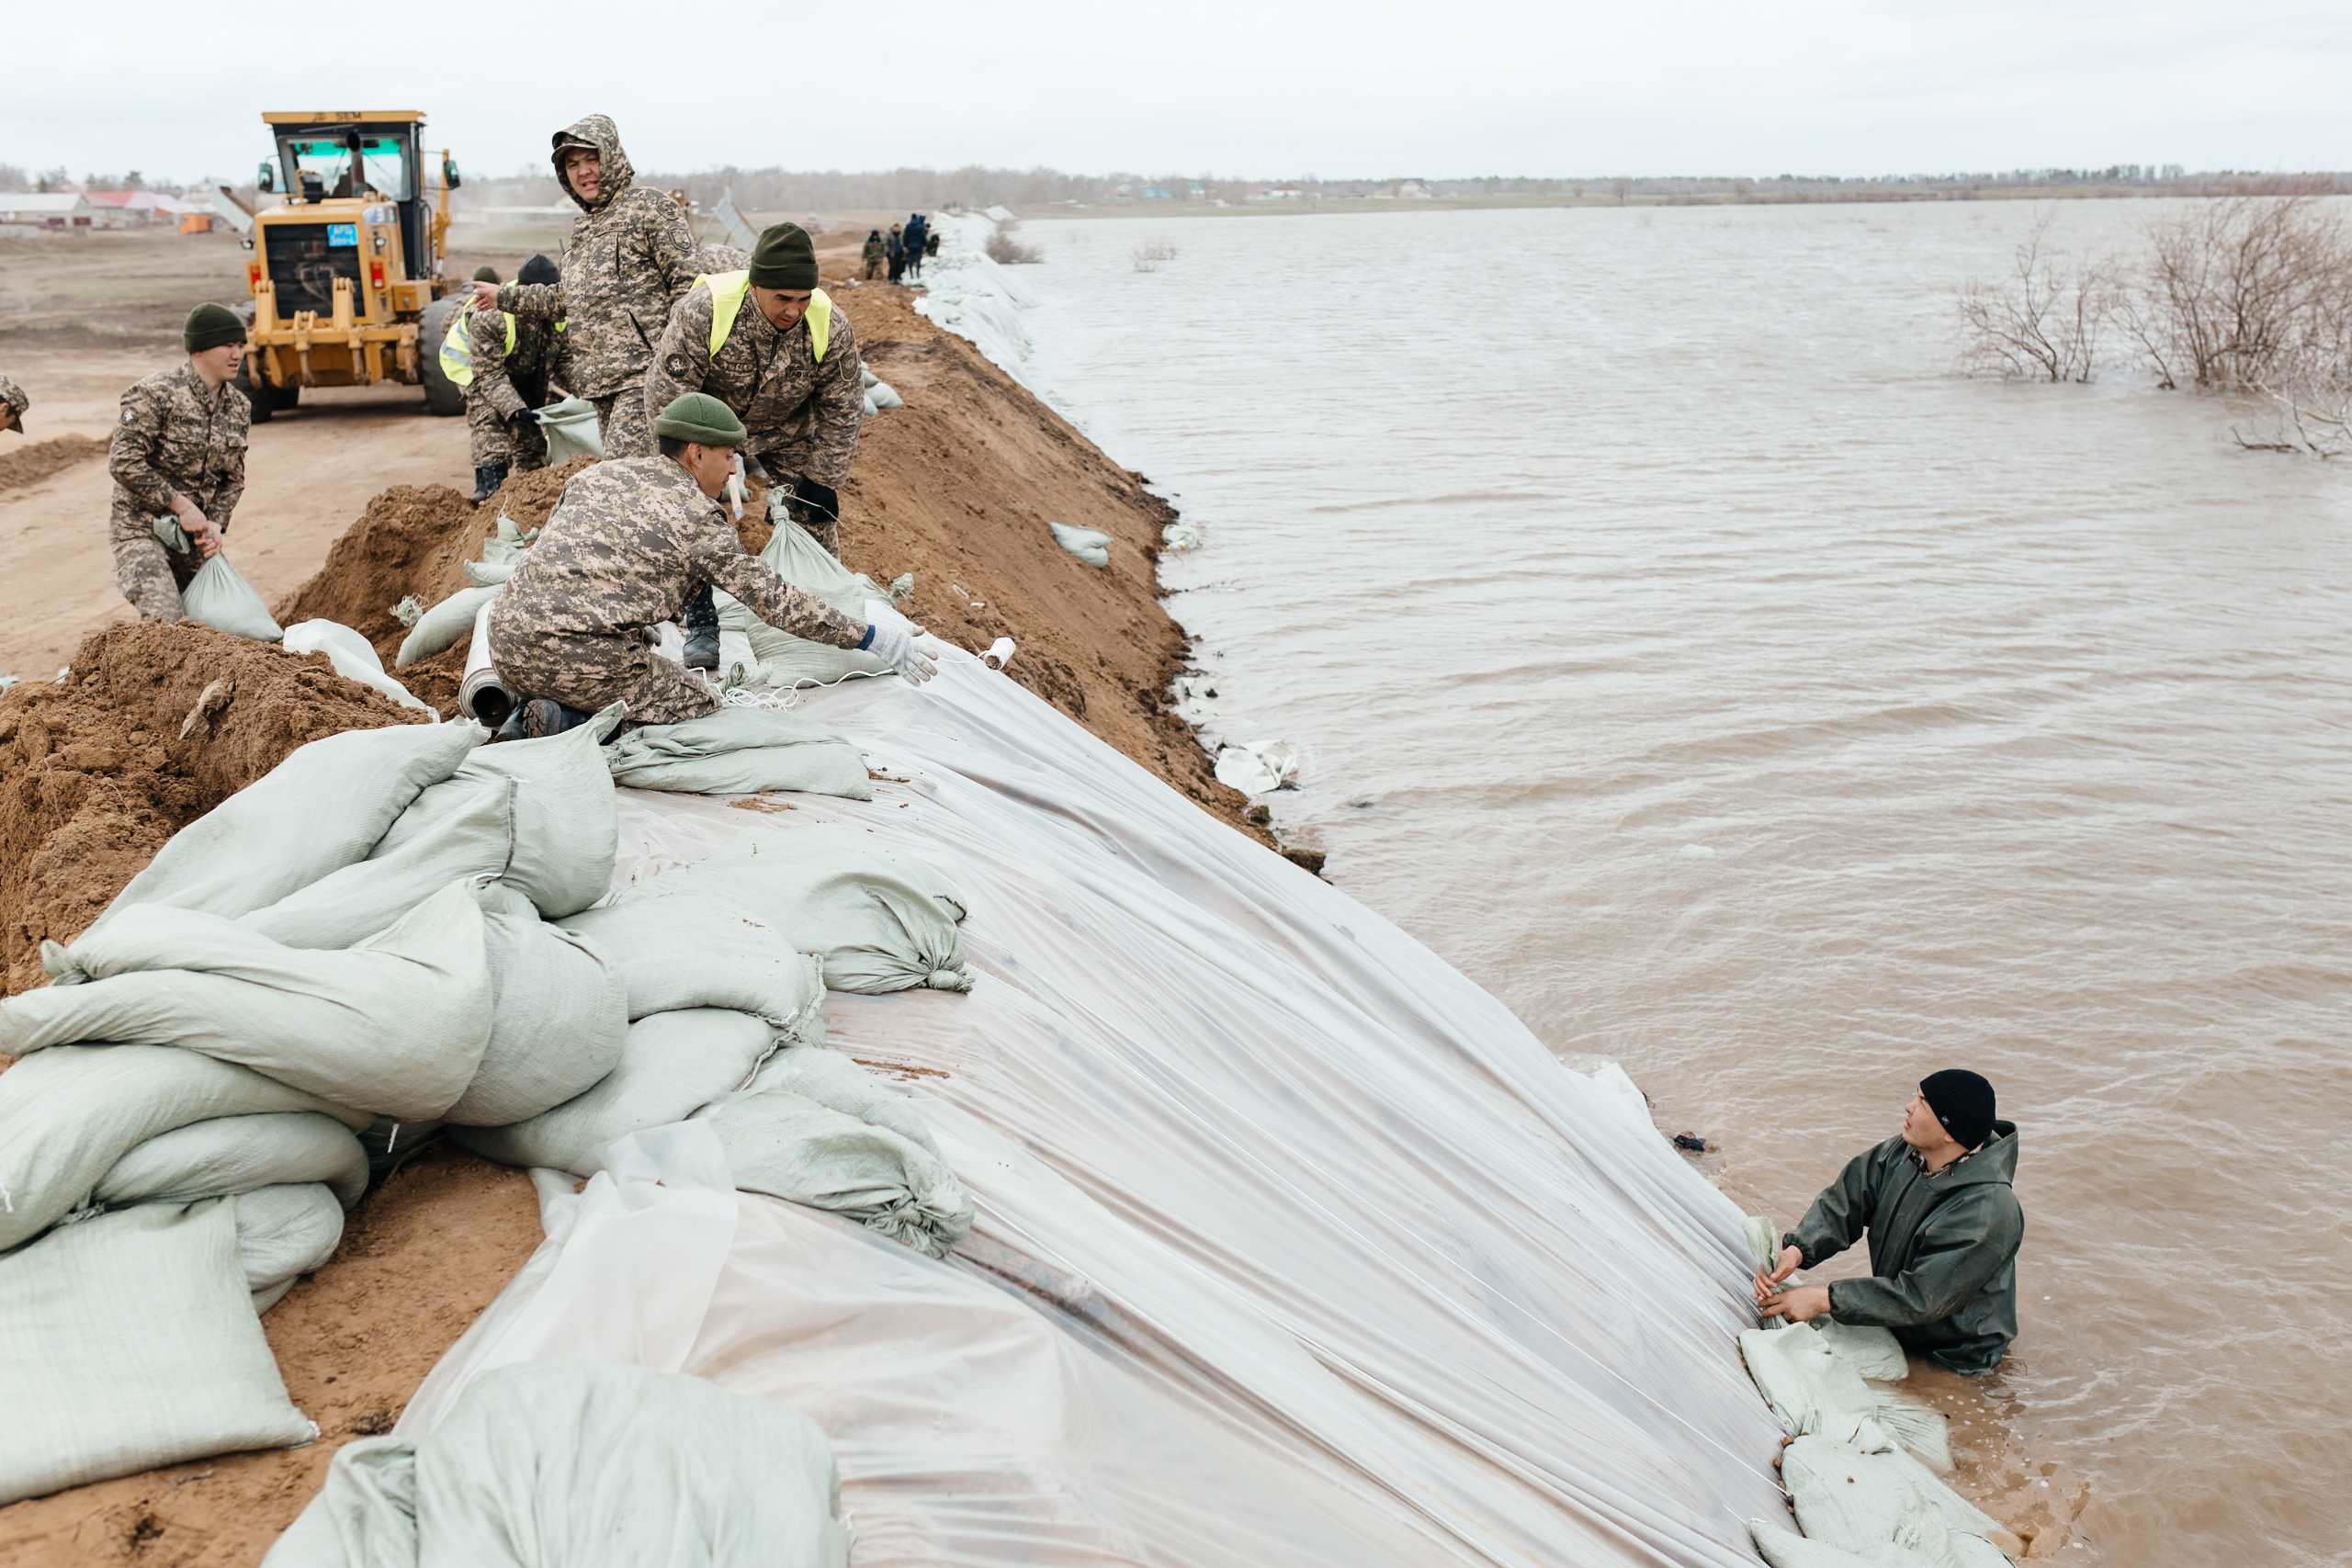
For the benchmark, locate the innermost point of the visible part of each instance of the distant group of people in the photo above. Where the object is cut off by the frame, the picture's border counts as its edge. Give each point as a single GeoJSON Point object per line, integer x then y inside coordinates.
{"type": "Point", "coordinates": [898, 256]}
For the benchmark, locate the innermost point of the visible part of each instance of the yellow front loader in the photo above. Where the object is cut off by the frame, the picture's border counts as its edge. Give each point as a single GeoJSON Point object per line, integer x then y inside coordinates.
{"type": "Point", "coordinates": [345, 274]}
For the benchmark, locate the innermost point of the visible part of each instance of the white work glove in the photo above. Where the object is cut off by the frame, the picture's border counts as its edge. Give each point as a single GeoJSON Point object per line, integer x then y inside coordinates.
{"type": "Point", "coordinates": [896, 650]}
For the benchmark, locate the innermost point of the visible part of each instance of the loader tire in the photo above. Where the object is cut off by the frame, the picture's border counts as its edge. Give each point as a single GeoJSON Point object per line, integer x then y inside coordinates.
{"type": "Point", "coordinates": [441, 395]}
{"type": "Point", "coordinates": [266, 401]}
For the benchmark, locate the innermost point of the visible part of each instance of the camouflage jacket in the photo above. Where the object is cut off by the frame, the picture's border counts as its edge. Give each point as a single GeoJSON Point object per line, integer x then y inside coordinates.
{"type": "Point", "coordinates": [802, 417]}
{"type": "Point", "coordinates": [12, 397]}
{"type": "Point", "coordinates": [631, 540]}
{"type": "Point", "coordinates": [176, 439]}
{"type": "Point", "coordinates": [629, 259]}
{"type": "Point", "coordinates": [511, 383]}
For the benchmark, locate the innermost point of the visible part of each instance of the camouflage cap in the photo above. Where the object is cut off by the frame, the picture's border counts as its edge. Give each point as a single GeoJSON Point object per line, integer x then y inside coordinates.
{"type": "Point", "coordinates": [699, 416]}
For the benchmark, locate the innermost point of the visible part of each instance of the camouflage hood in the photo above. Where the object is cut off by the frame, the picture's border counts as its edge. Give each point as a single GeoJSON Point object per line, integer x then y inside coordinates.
{"type": "Point", "coordinates": [600, 136]}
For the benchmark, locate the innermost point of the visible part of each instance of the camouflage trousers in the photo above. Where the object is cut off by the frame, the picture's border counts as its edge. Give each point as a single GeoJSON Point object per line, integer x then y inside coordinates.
{"type": "Point", "coordinates": [622, 422]}
{"type": "Point", "coordinates": [522, 444]}
{"type": "Point", "coordinates": [589, 672]}
{"type": "Point", "coordinates": [150, 575]}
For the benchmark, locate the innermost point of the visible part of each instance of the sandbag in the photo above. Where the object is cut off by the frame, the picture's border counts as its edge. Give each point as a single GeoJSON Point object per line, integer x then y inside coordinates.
{"type": "Point", "coordinates": [443, 625]}
{"type": "Point", "coordinates": [1868, 1352]}
{"type": "Point", "coordinates": [133, 1344]}
{"type": "Point", "coordinates": [787, 661]}
{"type": "Point", "coordinates": [353, 656]}
{"type": "Point", "coordinates": [878, 920]}
{"type": "Point", "coordinates": [594, 1465]}
{"type": "Point", "coordinates": [218, 595]}
{"type": "Point", "coordinates": [571, 432]}
{"type": "Point", "coordinates": [1866, 1502]}
{"type": "Point", "coordinates": [672, 1064]}
{"type": "Point", "coordinates": [558, 1015]}
{"type": "Point", "coordinates": [395, 1026]}
{"type": "Point", "coordinates": [1809, 1389]}
{"type": "Point", "coordinates": [1783, 1547]}
{"type": "Point", "coordinates": [226, 1155]}
{"type": "Point", "coordinates": [885, 396]}
{"type": "Point", "coordinates": [816, 1129]}
{"type": "Point", "coordinates": [455, 830]}
{"type": "Point", "coordinates": [1090, 545]}
{"type": "Point", "coordinates": [322, 808]}
{"type": "Point", "coordinates": [741, 751]}
{"type": "Point", "coordinates": [696, 950]}
{"type": "Point", "coordinates": [487, 573]}
{"type": "Point", "coordinates": [539, 815]}
{"type": "Point", "coordinates": [70, 1113]}
{"type": "Point", "coordinates": [283, 1233]}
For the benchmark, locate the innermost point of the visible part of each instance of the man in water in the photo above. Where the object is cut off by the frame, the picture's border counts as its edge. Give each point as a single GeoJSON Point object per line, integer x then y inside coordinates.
{"type": "Point", "coordinates": [631, 540]}
{"type": "Point", "coordinates": [179, 453]}
{"type": "Point", "coordinates": [630, 258]}
{"type": "Point", "coordinates": [1944, 1228]}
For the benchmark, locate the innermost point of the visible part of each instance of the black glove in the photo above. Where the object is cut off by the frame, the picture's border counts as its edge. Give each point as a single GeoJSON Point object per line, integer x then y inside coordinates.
{"type": "Point", "coordinates": [822, 500]}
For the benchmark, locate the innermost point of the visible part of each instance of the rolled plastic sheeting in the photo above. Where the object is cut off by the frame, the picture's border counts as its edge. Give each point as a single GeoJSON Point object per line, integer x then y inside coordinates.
{"type": "Point", "coordinates": [482, 696]}
{"type": "Point", "coordinates": [443, 623]}
{"type": "Point", "coordinates": [1356, 1271]}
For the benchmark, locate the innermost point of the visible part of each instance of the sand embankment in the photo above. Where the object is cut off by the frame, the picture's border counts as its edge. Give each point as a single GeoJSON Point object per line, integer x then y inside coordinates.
{"type": "Point", "coordinates": [94, 774]}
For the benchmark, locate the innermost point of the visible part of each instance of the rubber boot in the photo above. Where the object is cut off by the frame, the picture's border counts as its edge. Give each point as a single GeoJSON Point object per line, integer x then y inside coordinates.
{"type": "Point", "coordinates": [487, 478]}
{"type": "Point", "coordinates": [699, 622]}
{"type": "Point", "coordinates": [538, 718]}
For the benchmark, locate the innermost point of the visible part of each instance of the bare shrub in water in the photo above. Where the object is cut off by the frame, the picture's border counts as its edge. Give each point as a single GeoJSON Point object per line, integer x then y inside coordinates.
{"type": "Point", "coordinates": [2249, 295]}
{"type": "Point", "coordinates": [1148, 255]}
{"type": "Point", "coordinates": [2044, 320]}
{"type": "Point", "coordinates": [1006, 251]}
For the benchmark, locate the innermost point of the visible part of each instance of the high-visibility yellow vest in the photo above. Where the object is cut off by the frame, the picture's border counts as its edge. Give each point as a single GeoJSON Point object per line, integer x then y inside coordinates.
{"type": "Point", "coordinates": [728, 290]}
{"type": "Point", "coordinates": [458, 347]}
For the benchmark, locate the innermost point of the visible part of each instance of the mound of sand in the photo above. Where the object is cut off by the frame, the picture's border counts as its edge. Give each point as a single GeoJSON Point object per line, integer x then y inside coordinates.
{"type": "Point", "coordinates": [29, 465]}
{"type": "Point", "coordinates": [94, 774]}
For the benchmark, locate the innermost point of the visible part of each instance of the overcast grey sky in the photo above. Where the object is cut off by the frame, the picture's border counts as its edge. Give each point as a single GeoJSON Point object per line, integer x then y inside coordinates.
{"type": "Point", "coordinates": [1231, 87]}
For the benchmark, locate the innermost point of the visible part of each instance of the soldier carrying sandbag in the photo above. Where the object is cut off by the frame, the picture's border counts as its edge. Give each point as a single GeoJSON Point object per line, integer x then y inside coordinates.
{"type": "Point", "coordinates": [179, 454]}
{"type": "Point", "coordinates": [508, 368]}
{"type": "Point", "coordinates": [629, 259]}
{"type": "Point", "coordinates": [788, 368]}
{"type": "Point", "coordinates": [631, 540]}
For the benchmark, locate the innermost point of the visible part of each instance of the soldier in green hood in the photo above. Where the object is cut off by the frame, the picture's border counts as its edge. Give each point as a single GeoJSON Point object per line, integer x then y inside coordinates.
{"type": "Point", "coordinates": [1944, 1227]}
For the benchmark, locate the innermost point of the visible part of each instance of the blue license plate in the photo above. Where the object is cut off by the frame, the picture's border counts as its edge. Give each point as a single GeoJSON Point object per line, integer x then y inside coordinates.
{"type": "Point", "coordinates": [343, 234]}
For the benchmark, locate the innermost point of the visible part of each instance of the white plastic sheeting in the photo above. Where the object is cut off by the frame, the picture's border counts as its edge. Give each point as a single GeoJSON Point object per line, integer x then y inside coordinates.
{"type": "Point", "coordinates": [974, 297]}
{"type": "Point", "coordinates": [1292, 1245]}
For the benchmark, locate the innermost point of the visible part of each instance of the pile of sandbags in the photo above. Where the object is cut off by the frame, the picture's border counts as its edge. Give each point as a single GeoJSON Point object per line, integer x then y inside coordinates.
{"type": "Point", "coordinates": [1862, 1471]}
{"type": "Point", "coordinates": [395, 926]}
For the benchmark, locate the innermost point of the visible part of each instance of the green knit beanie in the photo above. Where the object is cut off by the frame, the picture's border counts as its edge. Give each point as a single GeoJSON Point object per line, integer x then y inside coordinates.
{"type": "Point", "coordinates": [785, 258]}
{"type": "Point", "coordinates": [210, 326]}
{"type": "Point", "coordinates": [699, 416]}
{"type": "Point", "coordinates": [486, 275]}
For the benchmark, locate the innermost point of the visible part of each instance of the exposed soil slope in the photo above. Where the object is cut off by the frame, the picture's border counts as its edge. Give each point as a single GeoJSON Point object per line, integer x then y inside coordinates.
{"type": "Point", "coordinates": [29, 464]}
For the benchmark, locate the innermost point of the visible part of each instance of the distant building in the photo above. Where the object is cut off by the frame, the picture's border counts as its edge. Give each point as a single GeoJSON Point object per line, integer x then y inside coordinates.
{"type": "Point", "coordinates": [1272, 193]}
{"type": "Point", "coordinates": [47, 209]}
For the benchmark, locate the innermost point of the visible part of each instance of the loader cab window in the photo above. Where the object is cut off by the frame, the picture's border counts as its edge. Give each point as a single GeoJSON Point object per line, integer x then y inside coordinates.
{"type": "Point", "coordinates": [348, 165]}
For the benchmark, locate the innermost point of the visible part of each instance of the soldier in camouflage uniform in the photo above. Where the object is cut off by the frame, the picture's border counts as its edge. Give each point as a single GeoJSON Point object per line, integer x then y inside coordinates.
{"type": "Point", "coordinates": [507, 385]}
{"type": "Point", "coordinates": [492, 450]}
{"type": "Point", "coordinates": [630, 541]}
{"type": "Point", "coordinates": [629, 260]}
{"type": "Point", "coordinates": [13, 404]}
{"type": "Point", "coordinates": [179, 451]}
{"type": "Point", "coordinates": [788, 367]}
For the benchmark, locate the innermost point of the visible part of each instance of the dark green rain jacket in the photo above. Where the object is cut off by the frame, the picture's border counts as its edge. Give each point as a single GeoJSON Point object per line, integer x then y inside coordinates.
{"type": "Point", "coordinates": [1943, 1248]}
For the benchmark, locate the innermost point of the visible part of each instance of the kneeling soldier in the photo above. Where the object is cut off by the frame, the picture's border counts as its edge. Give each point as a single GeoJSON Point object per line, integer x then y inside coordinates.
{"type": "Point", "coordinates": [631, 541]}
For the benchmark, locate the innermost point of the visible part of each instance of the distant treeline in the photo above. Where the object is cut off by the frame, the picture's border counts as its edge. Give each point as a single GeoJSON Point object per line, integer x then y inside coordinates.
{"type": "Point", "coordinates": [784, 190]}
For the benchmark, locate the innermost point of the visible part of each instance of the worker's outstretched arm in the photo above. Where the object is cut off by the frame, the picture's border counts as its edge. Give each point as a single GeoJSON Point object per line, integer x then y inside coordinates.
{"type": "Point", "coordinates": [1964, 1243]}
{"type": "Point", "coordinates": [1837, 1217]}
{"type": "Point", "coordinates": [718, 557]}
{"type": "Point", "coordinates": [531, 301]}
{"type": "Point", "coordinates": [682, 356]}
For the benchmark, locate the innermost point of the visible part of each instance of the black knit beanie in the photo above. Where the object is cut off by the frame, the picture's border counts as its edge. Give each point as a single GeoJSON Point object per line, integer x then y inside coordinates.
{"type": "Point", "coordinates": [539, 269]}
{"type": "Point", "coordinates": [785, 258]}
{"type": "Point", "coordinates": [1962, 1102]}
{"type": "Point", "coordinates": [486, 275]}
{"type": "Point", "coordinates": [210, 326]}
